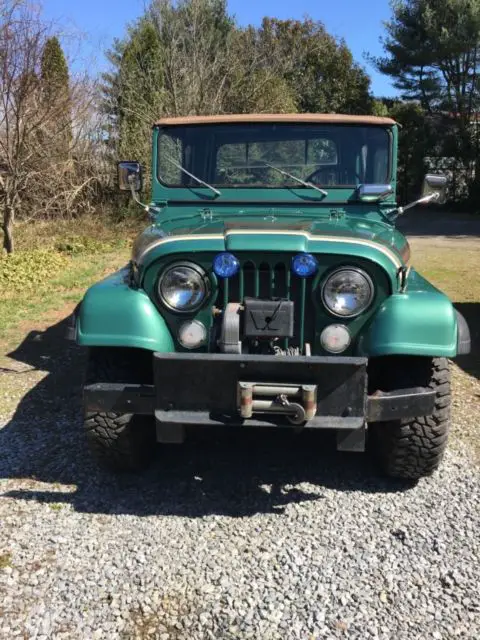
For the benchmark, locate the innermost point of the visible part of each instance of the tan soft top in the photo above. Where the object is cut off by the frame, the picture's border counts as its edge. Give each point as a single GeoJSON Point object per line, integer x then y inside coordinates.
{"type": "Point", "coordinates": [324, 118]}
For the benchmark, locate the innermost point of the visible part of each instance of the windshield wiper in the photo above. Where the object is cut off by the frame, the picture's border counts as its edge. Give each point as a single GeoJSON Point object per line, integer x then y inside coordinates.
{"type": "Point", "coordinates": [191, 175]}
{"type": "Point", "coordinates": [292, 177]}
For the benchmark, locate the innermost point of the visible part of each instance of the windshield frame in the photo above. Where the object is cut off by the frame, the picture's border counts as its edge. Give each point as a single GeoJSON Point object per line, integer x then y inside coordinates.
{"type": "Point", "coordinates": [288, 186]}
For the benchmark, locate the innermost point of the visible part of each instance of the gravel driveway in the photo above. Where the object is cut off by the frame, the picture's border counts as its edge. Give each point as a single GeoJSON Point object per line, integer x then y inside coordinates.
{"type": "Point", "coordinates": [258, 535]}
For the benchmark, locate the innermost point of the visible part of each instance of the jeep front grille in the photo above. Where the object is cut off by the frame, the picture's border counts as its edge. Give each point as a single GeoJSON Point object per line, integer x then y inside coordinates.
{"type": "Point", "coordinates": [261, 279]}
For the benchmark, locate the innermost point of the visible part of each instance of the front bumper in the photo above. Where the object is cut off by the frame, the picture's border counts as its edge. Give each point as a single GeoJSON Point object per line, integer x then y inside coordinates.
{"type": "Point", "coordinates": [203, 389]}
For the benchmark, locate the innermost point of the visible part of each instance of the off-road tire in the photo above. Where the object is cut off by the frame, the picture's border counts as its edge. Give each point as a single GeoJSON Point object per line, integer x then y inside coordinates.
{"type": "Point", "coordinates": [412, 449]}
{"type": "Point", "coordinates": [119, 441]}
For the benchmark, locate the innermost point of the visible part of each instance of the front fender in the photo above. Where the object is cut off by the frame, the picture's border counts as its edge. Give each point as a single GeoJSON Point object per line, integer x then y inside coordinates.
{"type": "Point", "coordinates": [417, 323]}
{"type": "Point", "coordinates": [113, 314]}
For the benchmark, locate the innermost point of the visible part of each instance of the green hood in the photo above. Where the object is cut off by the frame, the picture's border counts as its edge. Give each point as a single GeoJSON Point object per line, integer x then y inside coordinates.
{"type": "Point", "coordinates": [267, 230]}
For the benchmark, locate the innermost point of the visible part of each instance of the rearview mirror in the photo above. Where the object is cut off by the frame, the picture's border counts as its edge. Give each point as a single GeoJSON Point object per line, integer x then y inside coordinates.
{"type": "Point", "coordinates": [435, 187]}
{"type": "Point", "coordinates": [130, 176]}
{"type": "Point", "coordinates": [372, 192]}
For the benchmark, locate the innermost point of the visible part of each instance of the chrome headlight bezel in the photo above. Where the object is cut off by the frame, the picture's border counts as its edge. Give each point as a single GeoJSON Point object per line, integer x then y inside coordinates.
{"type": "Point", "coordinates": [365, 306]}
{"type": "Point", "coordinates": [197, 272]}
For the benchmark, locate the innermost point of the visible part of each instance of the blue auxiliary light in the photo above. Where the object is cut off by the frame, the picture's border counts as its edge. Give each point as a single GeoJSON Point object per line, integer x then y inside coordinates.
{"type": "Point", "coordinates": [225, 265]}
{"type": "Point", "coordinates": [304, 265]}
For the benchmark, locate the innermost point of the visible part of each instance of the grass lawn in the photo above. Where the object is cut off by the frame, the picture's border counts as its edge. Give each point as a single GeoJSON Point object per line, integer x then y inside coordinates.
{"type": "Point", "coordinates": [54, 265]}
{"type": "Point", "coordinates": [67, 286]}
{"type": "Point", "coordinates": [454, 269]}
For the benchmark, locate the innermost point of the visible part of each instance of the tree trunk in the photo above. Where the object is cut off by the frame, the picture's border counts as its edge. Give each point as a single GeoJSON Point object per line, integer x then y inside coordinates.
{"type": "Point", "coordinates": [8, 219]}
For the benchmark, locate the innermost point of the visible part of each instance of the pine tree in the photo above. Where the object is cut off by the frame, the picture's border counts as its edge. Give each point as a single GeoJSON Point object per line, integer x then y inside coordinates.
{"type": "Point", "coordinates": [55, 81]}
{"type": "Point", "coordinates": [55, 76]}
{"type": "Point", "coordinates": [432, 54]}
{"type": "Point", "coordinates": [141, 97]}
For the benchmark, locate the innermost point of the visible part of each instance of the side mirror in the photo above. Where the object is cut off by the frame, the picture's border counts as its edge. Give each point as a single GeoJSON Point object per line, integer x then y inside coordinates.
{"type": "Point", "coordinates": [130, 176]}
{"type": "Point", "coordinates": [435, 188]}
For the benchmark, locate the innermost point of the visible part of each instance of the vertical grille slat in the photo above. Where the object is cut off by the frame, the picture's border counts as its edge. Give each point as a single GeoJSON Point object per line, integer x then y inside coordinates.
{"type": "Point", "coordinates": [257, 281]}
{"type": "Point", "coordinates": [301, 311]}
{"type": "Point", "coordinates": [279, 286]}
{"type": "Point", "coordinates": [241, 285]}
{"type": "Point", "coordinates": [226, 286]}
{"type": "Point", "coordinates": [262, 277]}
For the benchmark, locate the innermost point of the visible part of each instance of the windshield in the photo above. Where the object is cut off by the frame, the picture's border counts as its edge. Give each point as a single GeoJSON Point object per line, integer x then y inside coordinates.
{"type": "Point", "coordinates": [239, 155]}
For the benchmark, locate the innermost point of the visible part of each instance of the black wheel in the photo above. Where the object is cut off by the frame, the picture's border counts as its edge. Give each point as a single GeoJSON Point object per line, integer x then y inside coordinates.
{"type": "Point", "coordinates": [412, 449]}
{"type": "Point", "coordinates": [120, 441]}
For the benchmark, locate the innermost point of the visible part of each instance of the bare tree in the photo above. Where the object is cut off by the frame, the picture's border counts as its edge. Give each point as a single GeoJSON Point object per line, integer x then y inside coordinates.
{"type": "Point", "coordinates": [39, 175]}
{"type": "Point", "coordinates": [195, 37]}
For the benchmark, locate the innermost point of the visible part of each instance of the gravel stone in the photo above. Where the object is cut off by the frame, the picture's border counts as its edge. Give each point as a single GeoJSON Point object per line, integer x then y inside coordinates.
{"type": "Point", "coordinates": [260, 535]}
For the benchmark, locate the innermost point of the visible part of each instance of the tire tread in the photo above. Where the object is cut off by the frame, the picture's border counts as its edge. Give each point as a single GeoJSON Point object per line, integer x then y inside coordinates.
{"type": "Point", "coordinates": [415, 448]}
{"type": "Point", "coordinates": [120, 442]}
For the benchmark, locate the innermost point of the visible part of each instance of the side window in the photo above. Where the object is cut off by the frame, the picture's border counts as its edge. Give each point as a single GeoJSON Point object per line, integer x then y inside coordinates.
{"type": "Point", "coordinates": [170, 148]}
{"type": "Point", "coordinates": [380, 164]}
{"type": "Point", "coordinates": [378, 157]}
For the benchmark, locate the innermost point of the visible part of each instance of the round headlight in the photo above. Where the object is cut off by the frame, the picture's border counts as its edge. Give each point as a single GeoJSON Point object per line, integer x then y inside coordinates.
{"type": "Point", "coordinates": [183, 287]}
{"type": "Point", "coordinates": [347, 292]}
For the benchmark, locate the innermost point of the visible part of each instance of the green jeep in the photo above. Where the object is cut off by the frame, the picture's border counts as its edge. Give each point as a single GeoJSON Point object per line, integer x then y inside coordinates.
{"type": "Point", "coordinates": [271, 289]}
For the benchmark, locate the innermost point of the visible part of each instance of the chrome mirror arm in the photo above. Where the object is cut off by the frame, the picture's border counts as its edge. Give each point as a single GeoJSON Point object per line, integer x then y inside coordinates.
{"type": "Point", "coordinates": [399, 211]}
{"type": "Point", "coordinates": [149, 209]}
{"type": "Point", "coordinates": [424, 200]}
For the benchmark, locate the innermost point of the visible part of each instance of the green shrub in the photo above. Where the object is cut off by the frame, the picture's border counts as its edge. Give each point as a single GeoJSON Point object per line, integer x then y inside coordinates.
{"type": "Point", "coordinates": [28, 270]}
{"type": "Point", "coordinates": [75, 245]}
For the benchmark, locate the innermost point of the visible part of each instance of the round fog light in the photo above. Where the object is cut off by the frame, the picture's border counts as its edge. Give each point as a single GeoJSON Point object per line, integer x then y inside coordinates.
{"type": "Point", "coordinates": [226, 265]}
{"type": "Point", "coordinates": [335, 338]}
{"type": "Point", "coordinates": [192, 334]}
{"type": "Point", "coordinates": [304, 265]}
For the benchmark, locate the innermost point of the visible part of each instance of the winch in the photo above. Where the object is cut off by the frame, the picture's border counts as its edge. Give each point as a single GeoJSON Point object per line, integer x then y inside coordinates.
{"type": "Point", "coordinates": [297, 402]}
{"type": "Point", "coordinates": [256, 325]}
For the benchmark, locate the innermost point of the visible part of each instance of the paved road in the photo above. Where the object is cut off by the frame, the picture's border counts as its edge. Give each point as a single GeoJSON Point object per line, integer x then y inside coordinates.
{"type": "Point", "coordinates": [441, 226]}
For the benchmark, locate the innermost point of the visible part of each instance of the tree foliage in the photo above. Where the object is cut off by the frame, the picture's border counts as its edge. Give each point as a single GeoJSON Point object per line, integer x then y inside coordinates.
{"type": "Point", "coordinates": [195, 40]}
{"type": "Point", "coordinates": [433, 55]}
{"type": "Point", "coordinates": [321, 73]}
{"type": "Point", "coordinates": [55, 87]}
{"type": "Point", "coordinates": [54, 69]}
{"type": "Point", "coordinates": [416, 141]}
{"type": "Point", "coordinates": [190, 57]}
{"type": "Point", "coordinates": [47, 125]}
{"type": "Point", "coordinates": [135, 92]}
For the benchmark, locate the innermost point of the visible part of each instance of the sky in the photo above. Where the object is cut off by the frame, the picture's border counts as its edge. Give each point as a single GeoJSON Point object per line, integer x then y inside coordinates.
{"type": "Point", "coordinates": [100, 21]}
